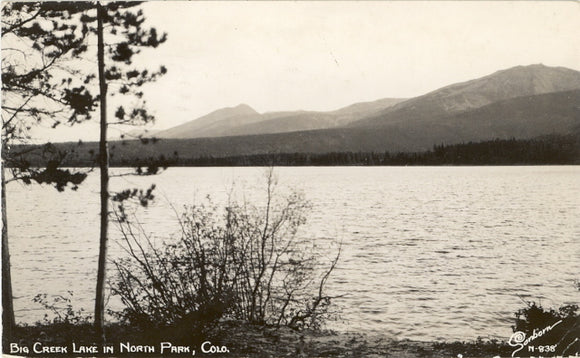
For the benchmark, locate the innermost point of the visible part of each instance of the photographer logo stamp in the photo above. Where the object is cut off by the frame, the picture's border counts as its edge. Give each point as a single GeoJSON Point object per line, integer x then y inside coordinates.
{"type": "Point", "coordinates": [519, 340]}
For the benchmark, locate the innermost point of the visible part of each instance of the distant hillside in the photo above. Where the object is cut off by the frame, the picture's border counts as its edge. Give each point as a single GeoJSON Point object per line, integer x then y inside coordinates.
{"type": "Point", "coordinates": [505, 104]}
{"type": "Point", "coordinates": [138, 133]}
{"type": "Point", "coordinates": [243, 120]}
{"type": "Point", "coordinates": [283, 122]}
{"type": "Point", "coordinates": [520, 118]}
{"type": "Point", "coordinates": [215, 124]}
{"type": "Point", "coordinates": [461, 97]}
{"type": "Point", "coordinates": [353, 111]}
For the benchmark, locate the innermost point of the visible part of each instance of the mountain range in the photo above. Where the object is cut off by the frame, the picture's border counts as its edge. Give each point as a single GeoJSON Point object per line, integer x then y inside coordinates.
{"type": "Point", "coordinates": [521, 102]}
{"type": "Point", "coordinates": [244, 120]}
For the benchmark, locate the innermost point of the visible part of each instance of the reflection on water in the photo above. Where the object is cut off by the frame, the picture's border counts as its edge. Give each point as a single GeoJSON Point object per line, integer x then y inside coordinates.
{"type": "Point", "coordinates": [428, 252]}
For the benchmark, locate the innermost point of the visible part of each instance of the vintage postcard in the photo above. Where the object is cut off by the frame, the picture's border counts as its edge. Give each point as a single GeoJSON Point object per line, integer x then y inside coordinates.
{"type": "Point", "coordinates": [290, 178]}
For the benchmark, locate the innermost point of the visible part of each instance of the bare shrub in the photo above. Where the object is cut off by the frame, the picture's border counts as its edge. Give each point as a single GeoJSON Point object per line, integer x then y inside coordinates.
{"type": "Point", "coordinates": [61, 308]}
{"type": "Point", "coordinates": [243, 262]}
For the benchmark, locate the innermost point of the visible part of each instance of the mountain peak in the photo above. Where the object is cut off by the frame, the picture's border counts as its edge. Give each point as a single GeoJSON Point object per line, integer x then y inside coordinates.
{"type": "Point", "coordinates": [217, 121]}
{"type": "Point", "coordinates": [534, 79]}
{"type": "Point", "coordinates": [519, 81]}
{"type": "Point", "coordinates": [244, 107]}
{"type": "Point", "coordinates": [534, 69]}
{"type": "Point", "coordinates": [508, 83]}
{"type": "Point", "coordinates": [239, 110]}
{"type": "Point", "coordinates": [532, 66]}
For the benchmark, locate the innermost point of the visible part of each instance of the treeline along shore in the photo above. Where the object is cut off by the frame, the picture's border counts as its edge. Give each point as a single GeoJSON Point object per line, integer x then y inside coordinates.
{"type": "Point", "coordinates": [546, 150]}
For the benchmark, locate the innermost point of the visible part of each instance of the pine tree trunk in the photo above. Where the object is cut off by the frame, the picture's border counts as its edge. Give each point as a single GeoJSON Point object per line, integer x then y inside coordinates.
{"type": "Point", "coordinates": [104, 170]}
{"type": "Point", "coordinates": [7, 307]}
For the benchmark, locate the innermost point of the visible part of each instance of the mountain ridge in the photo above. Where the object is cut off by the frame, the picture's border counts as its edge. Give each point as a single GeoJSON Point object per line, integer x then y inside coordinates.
{"type": "Point", "coordinates": [513, 103]}
{"type": "Point", "coordinates": [501, 85]}
{"type": "Point", "coordinates": [244, 120]}
{"type": "Point", "coordinates": [534, 116]}
{"type": "Point", "coordinates": [441, 104]}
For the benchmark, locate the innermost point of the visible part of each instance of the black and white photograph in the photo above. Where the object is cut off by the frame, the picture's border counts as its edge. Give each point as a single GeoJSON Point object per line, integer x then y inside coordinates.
{"type": "Point", "coordinates": [290, 178]}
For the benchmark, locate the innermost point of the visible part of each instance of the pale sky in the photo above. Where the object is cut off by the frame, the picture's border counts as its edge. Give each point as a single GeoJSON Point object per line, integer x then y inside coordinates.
{"type": "Point", "coordinates": [325, 55]}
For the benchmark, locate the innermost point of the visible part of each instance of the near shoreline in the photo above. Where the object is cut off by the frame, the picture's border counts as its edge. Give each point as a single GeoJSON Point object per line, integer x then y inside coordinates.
{"type": "Point", "coordinates": [245, 340]}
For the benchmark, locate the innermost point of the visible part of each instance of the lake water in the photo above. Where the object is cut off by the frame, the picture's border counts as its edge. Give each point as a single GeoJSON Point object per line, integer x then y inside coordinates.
{"type": "Point", "coordinates": [428, 252]}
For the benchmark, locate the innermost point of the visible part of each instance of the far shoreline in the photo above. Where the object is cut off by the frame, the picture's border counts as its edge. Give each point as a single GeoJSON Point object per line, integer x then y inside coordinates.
{"type": "Point", "coordinates": [548, 150]}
